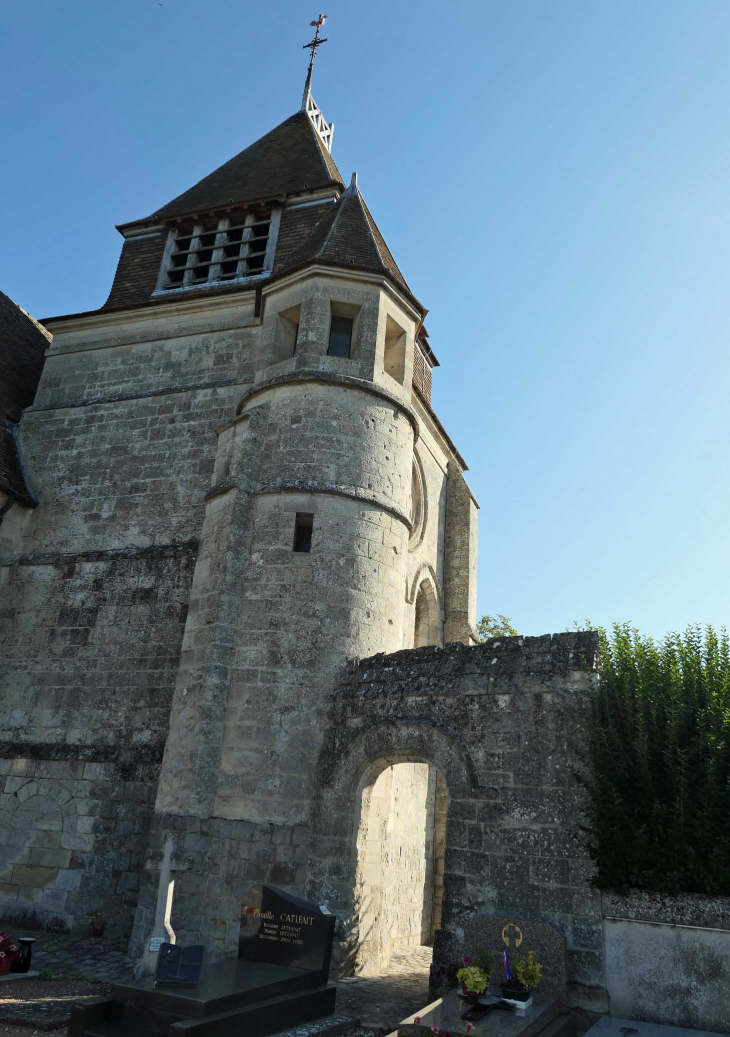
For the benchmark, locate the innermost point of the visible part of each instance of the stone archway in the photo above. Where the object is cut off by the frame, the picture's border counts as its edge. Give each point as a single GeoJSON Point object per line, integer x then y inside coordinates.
{"type": "Point", "coordinates": [437, 774]}
{"type": "Point", "coordinates": [39, 822]}
{"type": "Point", "coordinates": [401, 848]}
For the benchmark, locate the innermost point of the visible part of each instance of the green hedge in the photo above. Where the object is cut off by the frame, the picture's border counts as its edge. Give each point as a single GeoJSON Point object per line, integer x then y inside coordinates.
{"type": "Point", "coordinates": [658, 773]}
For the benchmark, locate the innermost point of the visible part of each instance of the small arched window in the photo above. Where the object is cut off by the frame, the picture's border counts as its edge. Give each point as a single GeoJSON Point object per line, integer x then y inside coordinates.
{"type": "Point", "coordinates": [418, 504]}
{"type": "Point", "coordinates": [427, 627]}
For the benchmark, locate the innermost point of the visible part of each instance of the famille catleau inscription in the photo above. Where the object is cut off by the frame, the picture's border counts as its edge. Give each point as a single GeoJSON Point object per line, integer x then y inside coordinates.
{"type": "Point", "coordinates": [283, 930]}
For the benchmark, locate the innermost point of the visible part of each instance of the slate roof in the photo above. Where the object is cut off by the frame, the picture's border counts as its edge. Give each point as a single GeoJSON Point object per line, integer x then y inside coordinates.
{"type": "Point", "coordinates": [23, 344]}
{"type": "Point", "coordinates": [288, 160]}
{"type": "Point", "coordinates": [348, 236]}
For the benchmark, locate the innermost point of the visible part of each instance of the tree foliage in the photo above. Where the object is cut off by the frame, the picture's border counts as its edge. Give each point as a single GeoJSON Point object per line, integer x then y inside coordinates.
{"type": "Point", "coordinates": [658, 774]}
{"type": "Point", "coordinates": [495, 626]}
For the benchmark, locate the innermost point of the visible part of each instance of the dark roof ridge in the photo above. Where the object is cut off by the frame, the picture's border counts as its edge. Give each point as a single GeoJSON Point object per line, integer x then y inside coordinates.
{"type": "Point", "coordinates": [287, 160]}
{"type": "Point", "coordinates": [355, 191]}
{"type": "Point", "coordinates": [339, 209]}
{"type": "Point", "coordinates": [349, 237]}
{"type": "Point", "coordinates": [372, 227]}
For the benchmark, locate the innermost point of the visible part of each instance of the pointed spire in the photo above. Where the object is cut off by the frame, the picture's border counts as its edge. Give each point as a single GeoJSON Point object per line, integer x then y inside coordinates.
{"type": "Point", "coordinates": [353, 188]}
{"type": "Point", "coordinates": [325, 131]}
{"type": "Point", "coordinates": [312, 46]}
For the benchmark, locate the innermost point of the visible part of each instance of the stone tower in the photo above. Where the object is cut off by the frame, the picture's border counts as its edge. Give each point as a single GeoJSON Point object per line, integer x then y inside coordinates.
{"type": "Point", "coordinates": [242, 486]}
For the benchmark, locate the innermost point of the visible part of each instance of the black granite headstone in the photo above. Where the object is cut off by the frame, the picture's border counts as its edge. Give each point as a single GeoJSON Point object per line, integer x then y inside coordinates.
{"type": "Point", "coordinates": [282, 930]}
{"type": "Point", "coordinates": [279, 980]}
{"type": "Point", "coordinates": [179, 966]}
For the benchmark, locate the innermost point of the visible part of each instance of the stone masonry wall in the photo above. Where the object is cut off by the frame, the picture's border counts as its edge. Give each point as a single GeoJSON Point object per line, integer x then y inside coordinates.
{"type": "Point", "coordinates": [269, 628]}
{"type": "Point", "coordinates": [120, 445]}
{"type": "Point", "coordinates": [502, 723]}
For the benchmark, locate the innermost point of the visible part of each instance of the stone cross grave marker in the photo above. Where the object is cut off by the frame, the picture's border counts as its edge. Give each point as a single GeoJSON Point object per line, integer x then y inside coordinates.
{"type": "Point", "coordinates": [162, 931]}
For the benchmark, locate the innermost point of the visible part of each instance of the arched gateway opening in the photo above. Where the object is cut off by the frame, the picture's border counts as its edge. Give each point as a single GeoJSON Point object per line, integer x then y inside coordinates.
{"type": "Point", "coordinates": [376, 841]}
{"type": "Point", "coordinates": [401, 844]}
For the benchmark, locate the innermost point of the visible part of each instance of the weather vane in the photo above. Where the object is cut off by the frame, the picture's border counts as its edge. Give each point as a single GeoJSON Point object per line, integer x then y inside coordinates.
{"type": "Point", "coordinates": [316, 42]}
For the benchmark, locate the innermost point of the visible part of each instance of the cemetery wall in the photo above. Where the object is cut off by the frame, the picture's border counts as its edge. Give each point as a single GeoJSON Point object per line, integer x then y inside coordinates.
{"type": "Point", "coordinates": [502, 723]}
{"type": "Point", "coordinates": [668, 958]}
{"type": "Point", "coordinates": [95, 582]}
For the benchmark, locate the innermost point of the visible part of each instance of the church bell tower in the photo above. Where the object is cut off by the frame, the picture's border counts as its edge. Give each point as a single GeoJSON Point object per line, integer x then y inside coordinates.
{"type": "Point", "coordinates": [270, 494]}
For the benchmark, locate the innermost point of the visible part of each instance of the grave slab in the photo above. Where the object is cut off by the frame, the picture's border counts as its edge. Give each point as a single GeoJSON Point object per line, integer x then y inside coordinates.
{"type": "Point", "coordinates": [446, 1015]}
{"type": "Point", "coordinates": [617, 1028]}
{"type": "Point", "coordinates": [279, 980]}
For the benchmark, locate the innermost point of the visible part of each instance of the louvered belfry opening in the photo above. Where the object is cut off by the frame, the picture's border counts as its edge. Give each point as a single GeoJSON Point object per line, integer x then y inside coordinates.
{"type": "Point", "coordinates": [422, 373]}
{"type": "Point", "coordinates": [219, 248]}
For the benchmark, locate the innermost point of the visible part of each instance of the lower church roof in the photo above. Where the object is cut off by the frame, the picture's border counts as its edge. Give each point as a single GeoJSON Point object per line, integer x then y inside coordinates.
{"type": "Point", "coordinates": [23, 344]}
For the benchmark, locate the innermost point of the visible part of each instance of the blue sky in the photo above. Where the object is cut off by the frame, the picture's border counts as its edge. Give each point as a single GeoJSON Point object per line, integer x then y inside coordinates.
{"type": "Point", "coordinates": [552, 177]}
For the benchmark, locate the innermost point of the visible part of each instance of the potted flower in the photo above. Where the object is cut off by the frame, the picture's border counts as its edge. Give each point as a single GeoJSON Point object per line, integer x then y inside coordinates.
{"type": "Point", "coordinates": [474, 974]}
{"type": "Point", "coordinates": [9, 951]}
{"type": "Point", "coordinates": [521, 981]}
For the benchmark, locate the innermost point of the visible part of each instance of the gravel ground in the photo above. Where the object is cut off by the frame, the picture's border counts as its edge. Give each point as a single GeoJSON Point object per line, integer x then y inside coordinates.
{"type": "Point", "coordinates": [37, 1004]}
{"type": "Point", "coordinates": [11, 1030]}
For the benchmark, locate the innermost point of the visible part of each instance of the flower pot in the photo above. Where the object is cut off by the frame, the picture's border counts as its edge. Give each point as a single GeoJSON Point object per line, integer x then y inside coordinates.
{"type": "Point", "coordinates": [515, 993]}
{"type": "Point", "coordinates": [5, 964]}
{"type": "Point", "coordinates": [472, 995]}
{"type": "Point", "coordinates": [518, 996]}
{"type": "Point", "coordinates": [22, 962]}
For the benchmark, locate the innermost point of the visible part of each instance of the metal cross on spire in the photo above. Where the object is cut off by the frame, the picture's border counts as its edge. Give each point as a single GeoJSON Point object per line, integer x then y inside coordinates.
{"type": "Point", "coordinates": [325, 130]}
{"type": "Point", "coordinates": [316, 42]}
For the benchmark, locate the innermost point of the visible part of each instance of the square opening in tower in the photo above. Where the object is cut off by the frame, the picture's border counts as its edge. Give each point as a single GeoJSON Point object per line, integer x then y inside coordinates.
{"type": "Point", "coordinates": [303, 527]}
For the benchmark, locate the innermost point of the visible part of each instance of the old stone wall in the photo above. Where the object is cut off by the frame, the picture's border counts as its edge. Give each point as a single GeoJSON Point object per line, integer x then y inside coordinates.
{"type": "Point", "coordinates": [441, 806]}
{"type": "Point", "coordinates": [158, 623]}
{"type": "Point", "coordinates": [460, 559]}
{"type": "Point", "coordinates": [502, 723]}
{"type": "Point", "coordinates": [668, 958]}
{"type": "Point", "coordinates": [95, 584]}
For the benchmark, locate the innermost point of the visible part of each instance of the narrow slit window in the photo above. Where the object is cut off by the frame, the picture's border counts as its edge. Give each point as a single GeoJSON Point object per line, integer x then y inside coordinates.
{"type": "Point", "coordinates": [296, 337]}
{"type": "Point", "coordinates": [340, 336]}
{"type": "Point", "coordinates": [303, 532]}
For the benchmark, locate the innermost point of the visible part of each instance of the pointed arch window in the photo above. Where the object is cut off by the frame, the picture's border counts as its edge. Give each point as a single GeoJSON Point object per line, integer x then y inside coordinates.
{"type": "Point", "coordinates": [418, 503]}
{"type": "Point", "coordinates": [427, 625]}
